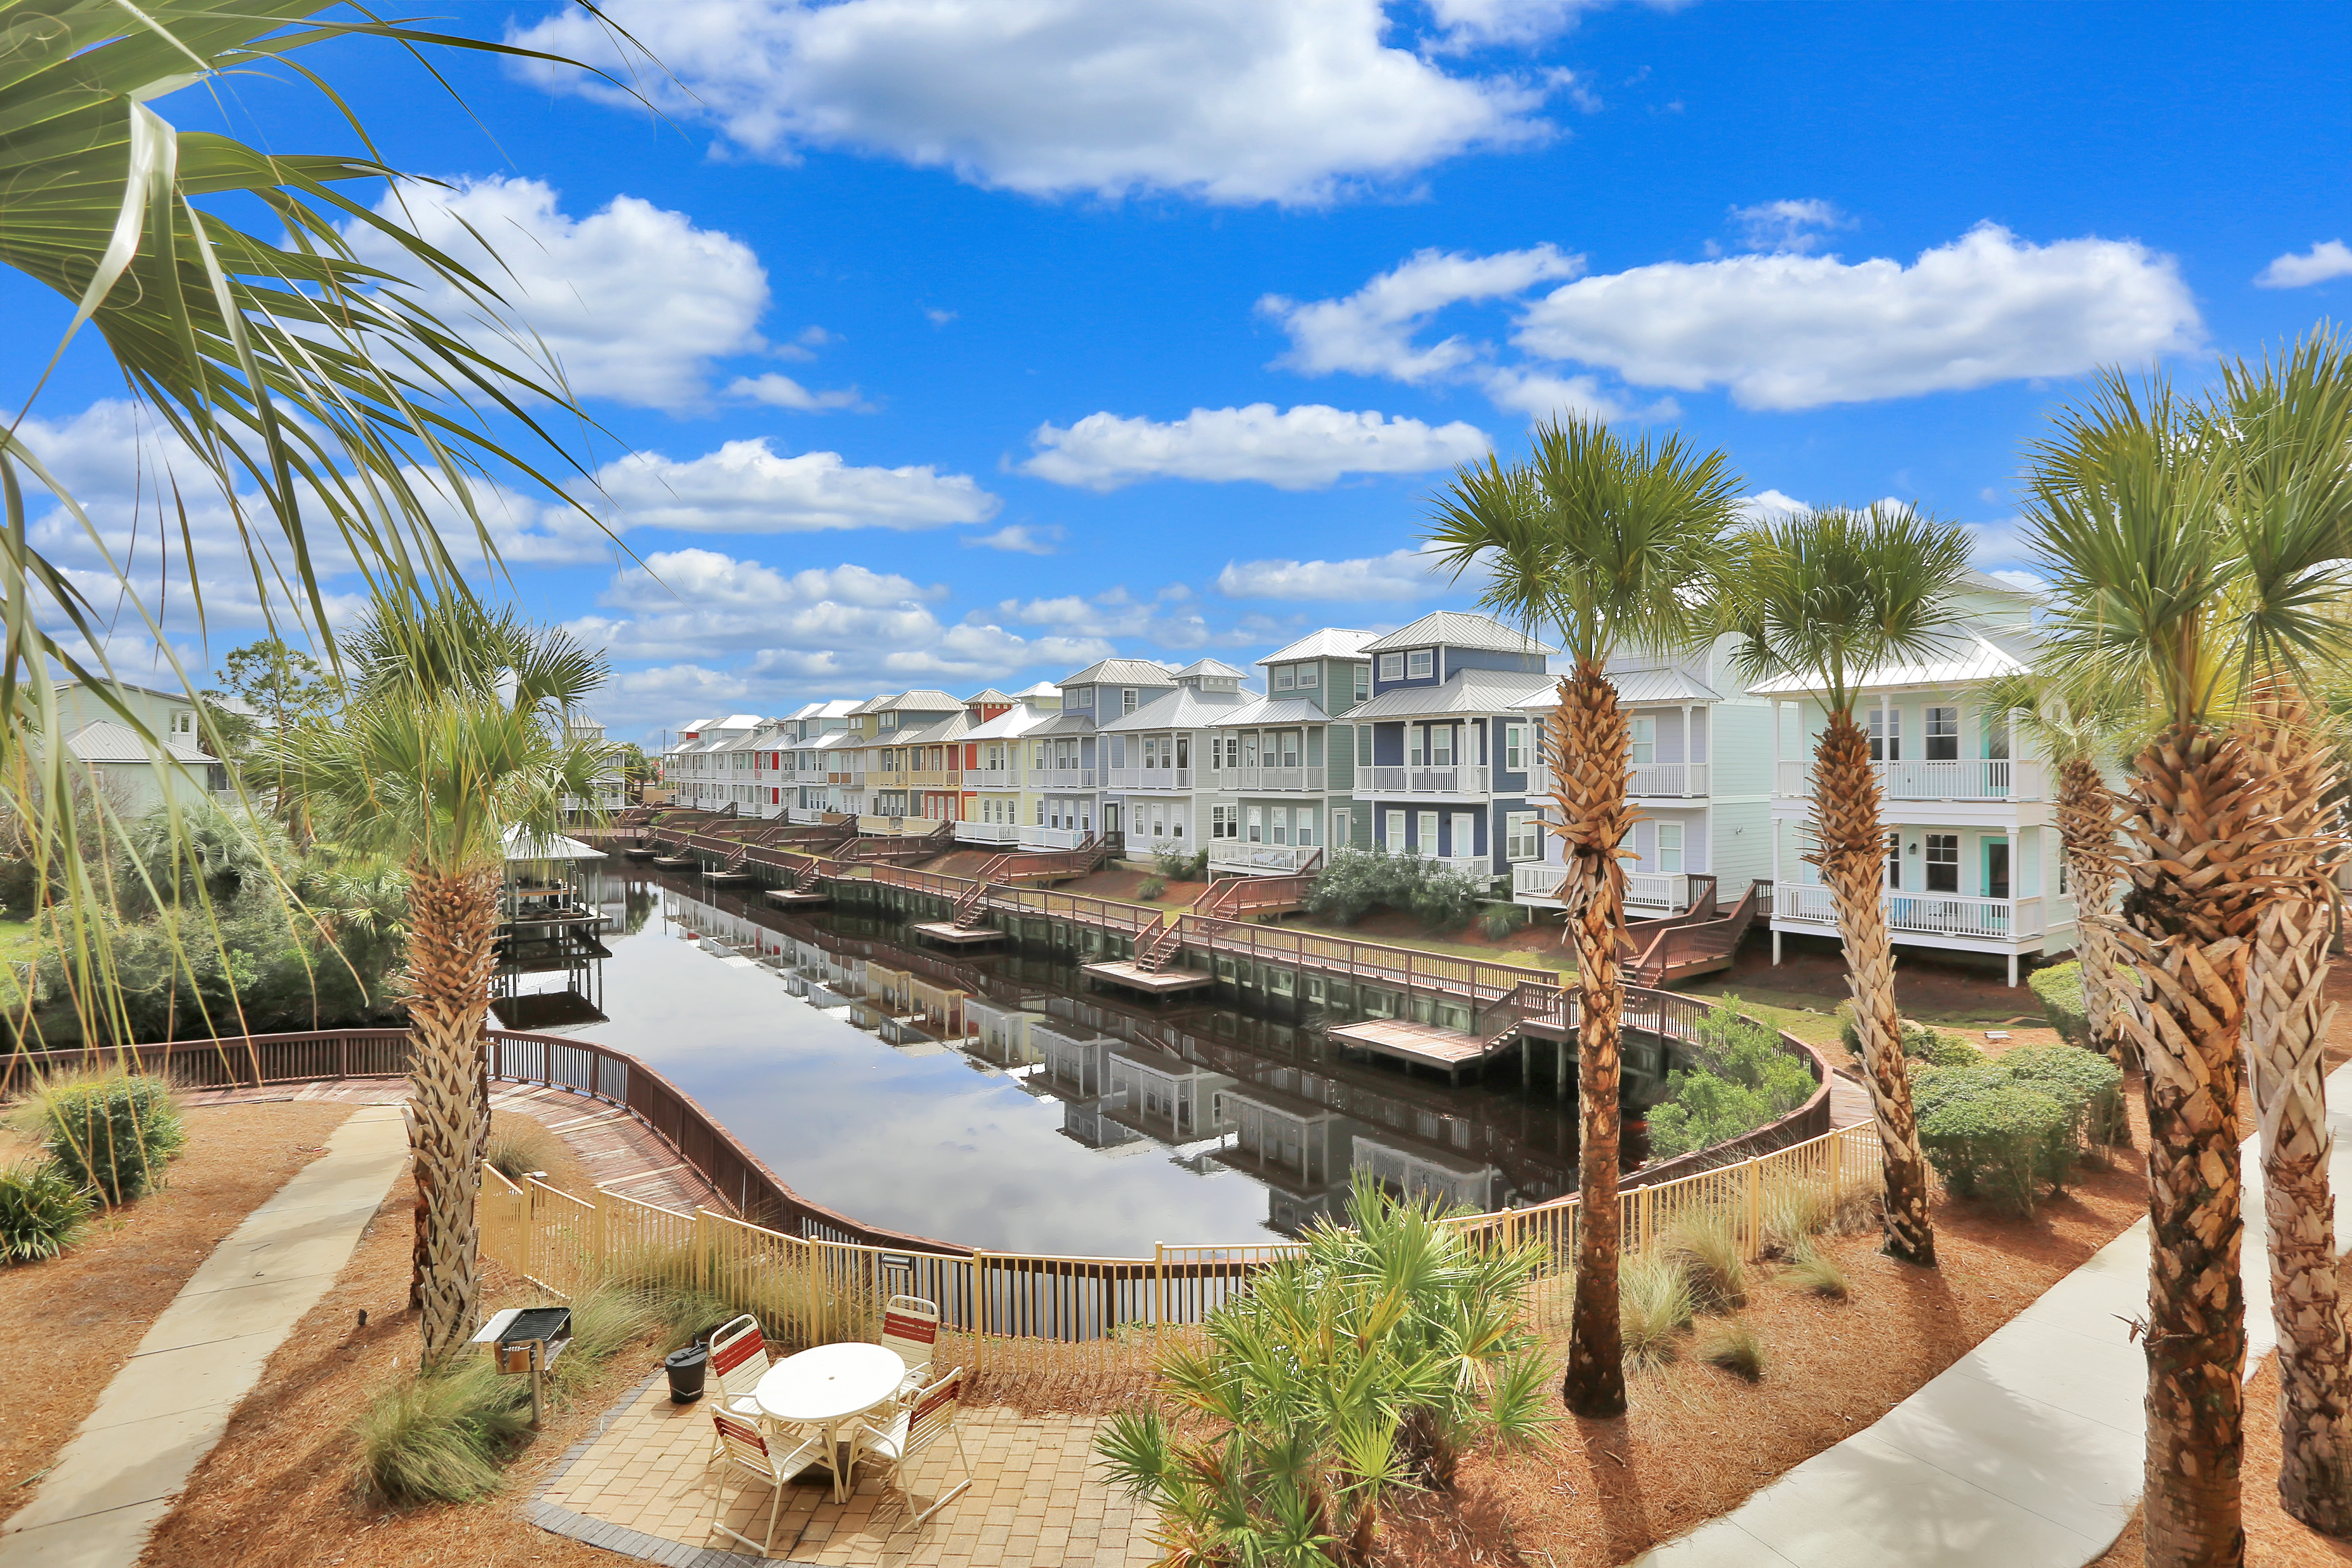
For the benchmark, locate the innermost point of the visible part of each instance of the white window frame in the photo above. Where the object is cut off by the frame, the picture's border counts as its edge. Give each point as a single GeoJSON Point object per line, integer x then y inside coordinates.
{"type": "Point", "coordinates": [1126, 701]}
{"type": "Point", "coordinates": [1392, 831]}
{"type": "Point", "coordinates": [1392, 667]}
{"type": "Point", "coordinates": [1282, 677]}
{"type": "Point", "coordinates": [1670, 850]}
{"type": "Point", "coordinates": [1363, 681]}
{"type": "Point", "coordinates": [1425, 831]}
{"type": "Point", "coordinates": [1644, 729]}
{"type": "Point", "coordinates": [1522, 835]}
{"type": "Point", "coordinates": [1420, 663]}
{"type": "Point", "coordinates": [1515, 748]}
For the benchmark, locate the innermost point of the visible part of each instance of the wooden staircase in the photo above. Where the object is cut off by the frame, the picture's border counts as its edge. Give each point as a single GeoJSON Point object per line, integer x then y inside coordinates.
{"type": "Point", "coordinates": [1248, 897]}
{"type": "Point", "coordinates": [1156, 949]}
{"type": "Point", "coordinates": [1701, 941]}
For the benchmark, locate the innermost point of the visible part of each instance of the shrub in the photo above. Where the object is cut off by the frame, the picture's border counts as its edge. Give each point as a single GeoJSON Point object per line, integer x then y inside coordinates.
{"type": "Point", "coordinates": [1736, 1347]}
{"type": "Point", "coordinates": [1706, 1246]}
{"type": "Point", "coordinates": [1151, 888]}
{"type": "Point", "coordinates": [111, 1133]}
{"type": "Point", "coordinates": [2001, 1140]}
{"type": "Point", "coordinates": [1653, 1305]}
{"type": "Point", "coordinates": [1170, 863]}
{"type": "Point", "coordinates": [2060, 989]}
{"type": "Point", "coordinates": [519, 1146]}
{"type": "Point", "coordinates": [1920, 1043]}
{"type": "Point", "coordinates": [41, 1211]}
{"type": "Point", "coordinates": [1501, 920]}
{"type": "Point", "coordinates": [1741, 1079]}
{"type": "Point", "coordinates": [1353, 881]}
{"type": "Point", "coordinates": [439, 1436]}
{"type": "Point", "coordinates": [1816, 1273]}
{"type": "Point", "coordinates": [2082, 1078]}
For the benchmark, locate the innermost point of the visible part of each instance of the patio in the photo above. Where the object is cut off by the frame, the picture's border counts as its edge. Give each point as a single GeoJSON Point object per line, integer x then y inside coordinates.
{"type": "Point", "coordinates": [643, 1485]}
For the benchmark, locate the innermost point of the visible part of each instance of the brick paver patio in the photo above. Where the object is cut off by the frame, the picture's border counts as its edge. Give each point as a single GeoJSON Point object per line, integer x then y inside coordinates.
{"type": "Point", "coordinates": [644, 1485]}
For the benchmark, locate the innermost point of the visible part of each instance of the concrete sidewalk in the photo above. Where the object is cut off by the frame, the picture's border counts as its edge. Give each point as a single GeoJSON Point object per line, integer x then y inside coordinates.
{"type": "Point", "coordinates": [168, 1405]}
{"type": "Point", "coordinates": [2027, 1452]}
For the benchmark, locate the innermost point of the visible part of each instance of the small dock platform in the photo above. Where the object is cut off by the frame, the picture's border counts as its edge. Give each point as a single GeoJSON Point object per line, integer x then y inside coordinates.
{"type": "Point", "coordinates": [1418, 1045]}
{"type": "Point", "coordinates": [675, 862]}
{"type": "Point", "coordinates": [731, 879]}
{"type": "Point", "coordinates": [1150, 981]}
{"type": "Point", "coordinates": [640, 851]}
{"type": "Point", "coordinates": [960, 936]}
{"type": "Point", "coordinates": [794, 899]}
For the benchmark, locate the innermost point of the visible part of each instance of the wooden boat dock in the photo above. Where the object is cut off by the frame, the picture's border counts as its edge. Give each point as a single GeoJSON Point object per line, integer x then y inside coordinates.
{"type": "Point", "coordinates": [1420, 1045]}
{"type": "Point", "coordinates": [1166, 981]}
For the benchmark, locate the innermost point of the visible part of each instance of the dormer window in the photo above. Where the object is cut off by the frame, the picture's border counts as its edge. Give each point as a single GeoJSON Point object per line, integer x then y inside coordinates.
{"type": "Point", "coordinates": [184, 722]}
{"type": "Point", "coordinates": [1420, 664]}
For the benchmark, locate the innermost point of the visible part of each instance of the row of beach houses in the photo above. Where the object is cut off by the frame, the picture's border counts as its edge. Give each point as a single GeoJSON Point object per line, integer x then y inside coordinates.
{"type": "Point", "coordinates": [1428, 740]}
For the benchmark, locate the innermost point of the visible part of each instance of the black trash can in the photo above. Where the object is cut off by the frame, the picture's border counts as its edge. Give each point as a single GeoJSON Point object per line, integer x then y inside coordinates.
{"type": "Point", "coordinates": [687, 1369]}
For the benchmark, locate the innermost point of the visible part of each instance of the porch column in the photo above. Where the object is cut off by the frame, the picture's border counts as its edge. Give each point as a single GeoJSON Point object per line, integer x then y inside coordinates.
{"type": "Point", "coordinates": [2012, 972]}
{"type": "Point", "coordinates": [1687, 775]}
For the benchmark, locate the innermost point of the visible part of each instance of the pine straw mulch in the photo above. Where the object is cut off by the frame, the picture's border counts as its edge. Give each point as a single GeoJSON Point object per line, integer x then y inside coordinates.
{"type": "Point", "coordinates": [69, 1323]}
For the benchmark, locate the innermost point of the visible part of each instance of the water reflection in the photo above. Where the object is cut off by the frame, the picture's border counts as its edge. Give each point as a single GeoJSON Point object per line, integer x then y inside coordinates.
{"type": "Point", "coordinates": [1073, 1120]}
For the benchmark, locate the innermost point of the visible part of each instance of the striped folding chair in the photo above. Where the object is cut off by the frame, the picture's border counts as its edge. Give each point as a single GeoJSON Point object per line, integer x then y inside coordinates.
{"type": "Point", "coordinates": [747, 1449]}
{"type": "Point", "coordinates": [910, 1326]}
{"type": "Point", "coordinates": [923, 1421]}
{"type": "Point", "coordinates": [738, 1360]}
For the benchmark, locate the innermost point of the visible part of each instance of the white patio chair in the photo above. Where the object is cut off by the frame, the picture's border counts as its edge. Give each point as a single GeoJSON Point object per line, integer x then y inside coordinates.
{"type": "Point", "coordinates": [910, 1326]}
{"type": "Point", "coordinates": [738, 1360]}
{"type": "Point", "coordinates": [923, 1421]}
{"type": "Point", "coordinates": [747, 1449]}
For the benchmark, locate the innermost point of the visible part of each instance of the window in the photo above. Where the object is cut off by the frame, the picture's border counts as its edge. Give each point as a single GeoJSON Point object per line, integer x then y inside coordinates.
{"type": "Point", "coordinates": [1515, 748]}
{"type": "Point", "coordinates": [1886, 734]}
{"type": "Point", "coordinates": [1895, 861]}
{"type": "Point", "coordinates": [1392, 831]}
{"type": "Point", "coordinates": [1420, 664]}
{"type": "Point", "coordinates": [1281, 824]}
{"type": "Point", "coordinates": [1183, 751]}
{"type": "Point", "coordinates": [1943, 734]}
{"type": "Point", "coordinates": [1305, 825]}
{"type": "Point", "coordinates": [1425, 824]}
{"type": "Point", "coordinates": [2062, 877]}
{"type": "Point", "coordinates": [1256, 825]}
{"type": "Point", "coordinates": [1996, 736]}
{"type": "Point", "coordinates": [1523, 836]}
{"type": "Point", "coordinates": [1943, 862]}
{"type": "Point", "coordinates": [1392, 667]}
{"type": "Point", "coordinates": [1126, 700]}
{"type": "Point", "coordinates": [1222, 824]}
{"type": "Point", "coordinates": [1645, 742]}
{"type": "Point", "coordinates": [1441, 745]}
{"type": "Point", "coordinates": [1282, 677]}
{"type": "Point", "coordinates": [1363, 681]}
{"type": "Point", "coordinates": [1670, 848]}
{"type": "Point", "coordinates": [1339, 828]}
{"type": "Point", "coordinates": [1082, 697]}
{"type": "Point", "coordinates": [1041, 814]}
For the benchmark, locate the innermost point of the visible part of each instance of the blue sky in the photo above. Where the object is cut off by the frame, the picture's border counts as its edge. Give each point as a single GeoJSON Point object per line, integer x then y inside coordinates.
{"type": "Point", "coordinates": [956, 342]}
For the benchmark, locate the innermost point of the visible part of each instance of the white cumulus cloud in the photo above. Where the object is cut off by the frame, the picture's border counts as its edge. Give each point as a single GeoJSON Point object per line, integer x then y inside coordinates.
{"type": "Point", "coordinates": [1229, 100]}
{"type": "Point", "coordinates": [745, 488]}
{"type": "Point", "coordinates": [1370, 331]}
{"type": "Point", "coordinates": [1306, 447]}
{"type": "Point", "coordinates": [1787, 331]}
{"type": "Point", "coordinates": [1399, 575]}
{"type": "Point", "coordinates": [778, 391]}
{"type": "Point", "coordinates": [1020, 538]}
{"type": "Point", "coordinates": [2328, 258]}
{"type": "Point", "coordinates": [632, 301]}
{"type": "Point", "coordinates": [1793, 226]}
{"type": "Point", "coordinates": [1546, 395]}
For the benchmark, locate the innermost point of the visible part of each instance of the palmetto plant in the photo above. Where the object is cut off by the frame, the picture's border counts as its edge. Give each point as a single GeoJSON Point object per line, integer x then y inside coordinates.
{"type": "Point", "coordinates": [2179, 569]}
{"type": "Point", "coordinates": [1369, 1363]}
{"type": "Point", "coordinates": [1829, 598]}
{"type": "Point", "coordinates": [1613, 544]}
{"type": "Point", "coordinates": [456, 736]}
{"type": "Point", "coordinates": [312, 394]}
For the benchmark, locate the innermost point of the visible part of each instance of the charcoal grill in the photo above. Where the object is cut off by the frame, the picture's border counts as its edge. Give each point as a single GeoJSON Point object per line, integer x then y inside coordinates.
{"type": "Point", "coordinates": [526, 1342]}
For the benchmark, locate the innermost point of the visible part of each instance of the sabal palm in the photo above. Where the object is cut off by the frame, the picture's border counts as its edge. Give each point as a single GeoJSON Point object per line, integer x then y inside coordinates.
{"type": "Point", "coordinates": [455, 736]}
{"type": "Point", "coordinates": [1612, 544]}
{"type": "Point", "coordinates": [2171, 574]}
{"type": "Point", "coordinates": [316, 397]}
{"type": "Point", "coordinates": [1832, 598]}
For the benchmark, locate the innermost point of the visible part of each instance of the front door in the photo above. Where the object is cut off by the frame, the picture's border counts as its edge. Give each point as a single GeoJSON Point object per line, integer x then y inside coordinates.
{"type": "Point", "coordinates": [1996, 867]}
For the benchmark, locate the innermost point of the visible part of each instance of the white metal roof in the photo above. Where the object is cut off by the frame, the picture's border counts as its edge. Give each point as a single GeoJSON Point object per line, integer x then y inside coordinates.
{"type": "Point", "coordinates": [1281, 711]}
{"type": "Point", "coordinates": [1464, 691]}
{"type": "Point", "coordinates": [1183, 709]}
{"type": "Point", "coordinates": [1636, 689]}
{"type": "Point", "coordinates": [1015, 722]}
{"type": "Point", "coordinates": [1331, 642]}
{"type": "Point", "coordinates": [1211, 667]}
{"type": "Point", "coordinates": [1120, 672]}
{"type": "Point", "coordinates": [104, 741]}
{"type": "Point", "coordinates": [1971, 654]}
{"type": "Point", "coordinates": [1453, 628]}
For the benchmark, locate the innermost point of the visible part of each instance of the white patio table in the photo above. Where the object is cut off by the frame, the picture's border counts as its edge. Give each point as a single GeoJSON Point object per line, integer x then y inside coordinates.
{"type": "Point", "coordinates": [826, 1386]}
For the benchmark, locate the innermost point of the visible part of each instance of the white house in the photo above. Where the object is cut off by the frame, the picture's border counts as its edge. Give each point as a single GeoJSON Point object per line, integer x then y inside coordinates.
{"type": "Point", "coordinates": [133, 773]}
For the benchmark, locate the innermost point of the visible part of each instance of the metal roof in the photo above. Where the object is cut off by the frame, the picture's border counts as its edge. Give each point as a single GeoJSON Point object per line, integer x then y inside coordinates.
{"type": "Point", "coordinates": [1183, 709]}
{"type": "Point", "coordinates": [1282, 711]}
{"type": "Point", "coordinates": [1464, 691]}
{"type": "Point", "coordinates": [1637, 688]}
{"type": "Point", "coordinates": [1019, 720]}
{"type": "Point", "coordinates": [104, 741]}
{"type": "Point", "coordinates": [1971, 654]}
{"type": "Point", "coordinates": [1211, 666]}
{"type": "Point", "coordinates": [1452, 628]}
{"type": "Point", "coordinates": [1331, 642]}
{"type": "Point", "coordinates": [921, 701]}
{"type": "Point", "coordinates": [1120, 672]}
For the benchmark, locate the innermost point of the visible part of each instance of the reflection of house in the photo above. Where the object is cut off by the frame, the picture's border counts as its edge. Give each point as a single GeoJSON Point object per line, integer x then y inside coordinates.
{"type": "Point", "coordinates": [1170, 1098]}
{"type": "Point", "coordinates": [1419, 1170]}
{"type": "Point", "coordinates": [1088, 1122]}
{"type": "Point", "coordinates": [1285, 1141]}
{"type": "Point", "coordinates": [1074, 1064]}
{"type": "Point", "coordinates": [1000, 1034]}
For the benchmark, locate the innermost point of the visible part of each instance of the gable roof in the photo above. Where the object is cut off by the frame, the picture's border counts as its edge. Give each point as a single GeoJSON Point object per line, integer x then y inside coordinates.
{"type": "Point", "coordinates": [920, 700]}
{"type": "Point", "coordinates": [1016, 721]}
{"type": "Point", "coordinates": [1181, 709]}
{"type": "Point", "coordinates": [1452, 628]}
{"type": "Point", "coordinates": [1205, 666]}
{"type": "Point", "coordinates": [986, 694]}
{"type": "Point", "coordinates": [1120, 672]}
{"type": "Point", "coordinates": [1331, 642]}
{"type": "Point", "coordinates": [1468, 691]}
{"type": "Point", "coordinates": [104, 741]}
{"type": "Point", "coordinates": [1969, 654]}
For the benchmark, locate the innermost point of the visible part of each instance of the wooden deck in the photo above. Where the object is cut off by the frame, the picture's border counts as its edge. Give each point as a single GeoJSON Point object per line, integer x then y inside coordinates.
{"type": "Point", "coordinates": [1152, 982]}
{"type": "Point", "coordinates": [963, 936]}
{"type": "Point", "coordinates": [794, 899]}
{"type": "Point", "coordinates": [1423, 1044]}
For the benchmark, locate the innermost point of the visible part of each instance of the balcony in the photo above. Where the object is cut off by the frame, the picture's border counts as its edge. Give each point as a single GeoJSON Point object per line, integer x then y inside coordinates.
{"type": "Point", "coordinates": [1916, 914]}
{"type": "Point", "coordinates": [988, 832]}
{"type": "Point", "coordinates": [1648, 894]}
{"type": "Point", "coordinates": [1232, 855]}
{"type": "Point", "coordinates": [1650, 781]}
{"type": "Point", "coordinates": [811, 776]}
{"type": "Point", "coordinates": [1270, 780]}
{"type": "Point", "coordinates": [1147, 778]}
{"type": "Point", "coordinates": [1462, 780]}
{"type": "Point", "coordinates": [1050, 838]}
{"type": "Point", "coordinates": [992, 778]}
{"type": "Point", "coordinates": [934, 778]}
{"type": "Point", "coordinates": [1054, 778]}
{"type": "Point", "coordinates": [1959, 779]}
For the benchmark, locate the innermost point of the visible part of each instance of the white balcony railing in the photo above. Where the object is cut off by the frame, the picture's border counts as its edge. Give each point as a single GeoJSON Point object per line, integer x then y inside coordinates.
{"type": "Point", "coordinates": [1454, 780]}
{"type": "Point", "coordinates": [1050, 838]}
{"type": "Point", "coordinates": [1537, 880]}
{"type": "Point", "coordinates": [1657, 893]}
{"type": "Point", "coordinates": [810, 775]}
{"type": "Point", "coordinates": [1651, 781]}
{"type": "Point", "coordinates": [1962, 778]}
{"type": "Point", "coordinates": [1919, 914]}
{"type": "Point", "coordinates": [1147, 778]}
{"type": "Point", "coordinates": [1232, 855]}
{"type": "Point", "coordinates": [1061, 778]}
{"type": "Point", "coordinates": [988, 833]}
{"type": "Point", "coordinates": [1262, 779]}
{"type": "Point", "coordinates": [1477, 865]}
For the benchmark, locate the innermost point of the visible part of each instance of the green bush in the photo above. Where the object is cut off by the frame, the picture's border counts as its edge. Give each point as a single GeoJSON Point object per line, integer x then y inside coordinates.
{"type": "Point", "coordinates": [1170, 863]}
{"type": "Point", "coordinates": [1501, 920]}
{"type": "Point", "coordinates": [2060, 988]}
{"type": "Point", "coordinates": [41, 1211]}
{"type": "Point", "coordinates": [1151, 888]}
{"type": "Point", "coordinates": [1741, 1079]}
{"type": "Point", "coordinates": [2003, 1142]}
{"type": "Point", "coordinates": [113, 1133]}
{"type": "Point", "coordinates": [1920, 1043]}
{"type": "Point", "coordinates": [1736, 1347]}
{"type": "Point", "coordinates": [2088, 1080]}
{"type": "Point", "coordinates": [1354, 881]}
{"type": "Point", "coordinates": [441, 1437]}
{"type": "Point", "coordinates": [1653, 1305]}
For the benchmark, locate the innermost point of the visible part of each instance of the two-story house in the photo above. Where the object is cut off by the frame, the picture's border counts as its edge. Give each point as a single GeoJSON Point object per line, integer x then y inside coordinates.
{"type": "Point", "coordinates": [1283, 778]}
{"type": "Point", "coordinates": [1972, 856]}
{"type": "Point", "coordinates": [1155, 759]}
{"type": "Point", "coordinates": [133, 773]}
{"type": "Point", "coordinates": [907, 771]}
{"type": "Point", "coordinates": [707, 766]}
{"type": "Point", "coordinates": [1700, 775]}
{"type": "Point", "coordinates": [1000, 795]}
{"type": "Point", "coordinates": [1443, 743]}
{"type": "Point", "coordinates": [1065, 754]}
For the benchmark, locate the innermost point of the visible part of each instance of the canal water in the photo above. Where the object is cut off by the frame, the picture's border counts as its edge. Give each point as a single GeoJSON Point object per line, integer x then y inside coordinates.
{"type": "Point", "coordinates": [1075, 1145]}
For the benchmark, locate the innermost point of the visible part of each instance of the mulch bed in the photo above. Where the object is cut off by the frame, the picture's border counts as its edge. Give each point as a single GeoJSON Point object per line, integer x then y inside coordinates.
{"type": "Point", "coordinates": [68, 1324]}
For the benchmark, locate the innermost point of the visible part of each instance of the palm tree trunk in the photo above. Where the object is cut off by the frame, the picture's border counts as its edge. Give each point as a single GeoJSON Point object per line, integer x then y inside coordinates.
{"type": "Point", "coordinates": [1850, 849]}
{"type": "Point", "coordinates": [1590, 743]}
{"type": "Point", "coordinates": [453, 925]}
{"type": "Point", "coordinates": [2086, 833]}
{"type": "Point", "coordinates": [2286, 1027]}
{"type": "Point", "coordinates": [2197, 819]}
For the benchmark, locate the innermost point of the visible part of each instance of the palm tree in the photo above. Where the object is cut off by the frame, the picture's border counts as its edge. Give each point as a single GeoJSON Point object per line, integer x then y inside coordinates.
{"type": "Point", "coordinates": [1829, 597]}
{"type": "Point", "coordinates": [455, 736]}
{"type": "Point", "coordinates": [2286, 435]}
{"type": "Point", "coordinates": [1612, 542]}
{"type": "Point", "coordinates": [313, 395]}
{"type": "Point", "coordinates": [2176, 570]}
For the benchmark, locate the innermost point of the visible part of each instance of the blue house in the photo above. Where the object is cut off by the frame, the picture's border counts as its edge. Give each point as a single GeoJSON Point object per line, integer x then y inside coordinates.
{"type": "Point", "coordinates": [1445, 745]}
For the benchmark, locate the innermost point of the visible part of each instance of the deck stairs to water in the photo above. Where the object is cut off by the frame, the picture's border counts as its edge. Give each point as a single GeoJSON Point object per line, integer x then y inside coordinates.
{"type": "Point", "coordinates": [1157, 948]}
{"type": "Point", "coordinates": [1702, 939]}
{"type": "Point", "coordinates": [1254, 897]}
